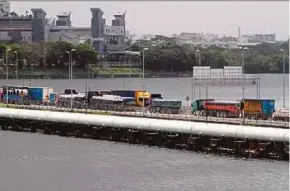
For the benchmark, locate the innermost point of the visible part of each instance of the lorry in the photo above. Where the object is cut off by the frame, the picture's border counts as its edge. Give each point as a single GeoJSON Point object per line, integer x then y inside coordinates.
{"type": "Point", "coordinates": [40, 95]}
{"type": "Point", "coordinates": [281, 114]}
{"type": "Point", "coordinates": [137, 95]}
{"type": "Point", "coordinates": [197, 107]}
{"type": "Point", "coordinates": [165, 106]}
{"type": "Point", "coordinates": [258, 108]}
{"type": "Point", "coordinates": [210, 107]}
{"type": "Point", "coordinates": [250, 108]}
{"type": "Point", "coordinates": [15, 94]}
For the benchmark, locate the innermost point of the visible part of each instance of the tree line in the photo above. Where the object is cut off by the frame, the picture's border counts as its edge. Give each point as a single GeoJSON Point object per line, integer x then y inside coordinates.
{"type": "Point", "coordinates": [262, 58]}
{"type": "Point", "coordinates": [167, 56]}
{"type": "Point", "coordinates": [48, 55]}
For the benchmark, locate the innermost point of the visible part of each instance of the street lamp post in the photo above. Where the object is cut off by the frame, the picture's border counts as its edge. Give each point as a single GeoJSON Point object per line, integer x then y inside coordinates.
{"type": "Point", "coordinates": [199, 63]}
{"type": "Point", "coordinates": [70, 74]}
{"type": "Point", "coordinates": [143, 77]}
{"type": "Point", "coordinates": [7, 75]}
{"type": "Point", "coordinates": [16, 54]}
{"type": "Point", "coordinates": [129, 63]}
{"type": "Point", "coordinates": [243, 71]}
{"type": "Point", "coordinates": [284, 80]}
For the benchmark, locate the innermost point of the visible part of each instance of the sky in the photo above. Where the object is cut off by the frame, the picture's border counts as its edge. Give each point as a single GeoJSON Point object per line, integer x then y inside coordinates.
{"type": "Point", "coordinates": [169, 17]}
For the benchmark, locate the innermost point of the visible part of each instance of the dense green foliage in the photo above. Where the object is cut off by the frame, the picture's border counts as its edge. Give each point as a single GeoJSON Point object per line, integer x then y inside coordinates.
{"type": "Point", "coordinates": [263, 58]}
{"type": "Point", "coordinates": [49, 55]}
{"type": "Point", "coordinates": [166, 56]}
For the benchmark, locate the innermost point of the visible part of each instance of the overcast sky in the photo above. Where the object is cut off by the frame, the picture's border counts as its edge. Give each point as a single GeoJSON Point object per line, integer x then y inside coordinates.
{"type": "Point", "coordinates": [167, 18]}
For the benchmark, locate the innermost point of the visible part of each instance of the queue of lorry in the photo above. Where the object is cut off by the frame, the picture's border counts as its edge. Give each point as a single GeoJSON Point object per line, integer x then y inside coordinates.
{"type": "Point", "coordinates": [132, 100]}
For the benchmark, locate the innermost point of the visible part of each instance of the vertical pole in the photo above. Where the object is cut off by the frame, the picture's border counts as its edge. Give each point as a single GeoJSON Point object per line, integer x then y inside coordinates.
{"type": "Point", "coordinates": [89, 67]}
{"type": "Point", "coordinates": [199, 63]}
{"type": "Point", "coordinates": [7, 76]}
{"type": "Point", "coordinates": [86, 102]}
{"type": "Point", "coordinates": [143, 67]}
{"type": "Point", "coordinates": [16, 65]}
{"type": "Point", "coordinates": [69, 65]}
{"type": "Point", "coordinates": [71, 96]}
{"type": "Point", "coordinates": [284, 81]}
{"type": "Point", "coordinates": [129, 71]}
{"type": "Point", "coordinates": [243, 69]}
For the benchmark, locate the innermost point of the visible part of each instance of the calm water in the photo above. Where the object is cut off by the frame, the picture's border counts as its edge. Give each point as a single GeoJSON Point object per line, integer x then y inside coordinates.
{"type": "Point", "coordinates": [50, 163]}
{"type": "Point", "coordinates": [172, 88]}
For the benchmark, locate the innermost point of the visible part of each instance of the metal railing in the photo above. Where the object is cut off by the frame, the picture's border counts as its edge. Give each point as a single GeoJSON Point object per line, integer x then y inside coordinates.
{"type": "Point", "coordinates": [133, 111]}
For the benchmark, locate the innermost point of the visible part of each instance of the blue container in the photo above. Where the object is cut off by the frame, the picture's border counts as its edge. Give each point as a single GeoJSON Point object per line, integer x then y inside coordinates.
{"type": "Point", "coordinates": [52, 97]}
{"type": "Point", "coordinates": [268, 106]}
{"type": "Point", "coordinates": [123, 93]}
{"type": "Point", "coordinates": [35, 94]}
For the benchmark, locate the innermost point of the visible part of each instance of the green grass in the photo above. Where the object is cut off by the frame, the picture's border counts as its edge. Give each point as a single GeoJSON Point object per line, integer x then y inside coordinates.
{"type": "Point", "coordinates": [116, 71]}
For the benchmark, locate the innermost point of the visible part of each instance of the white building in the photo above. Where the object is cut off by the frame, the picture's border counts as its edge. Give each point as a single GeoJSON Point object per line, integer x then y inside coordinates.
{"type": "Point", "coordinates": [4, 7]}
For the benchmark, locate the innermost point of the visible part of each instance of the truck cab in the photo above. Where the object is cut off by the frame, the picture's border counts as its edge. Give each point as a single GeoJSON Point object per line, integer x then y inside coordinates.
{"type": "Point", "coordinates": [198, 105]}
{"type": "Point", "coordinates": [140, 95]}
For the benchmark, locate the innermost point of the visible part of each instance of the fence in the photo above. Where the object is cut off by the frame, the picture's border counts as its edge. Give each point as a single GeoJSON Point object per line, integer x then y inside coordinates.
{"type": "Point", "coordinates": [132, 111]}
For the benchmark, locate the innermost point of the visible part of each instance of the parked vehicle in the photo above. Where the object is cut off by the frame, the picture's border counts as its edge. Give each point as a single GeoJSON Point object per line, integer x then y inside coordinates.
{"type": "Point", "coordinates": [258, 108]}
{"type": "Point", "coordinates": [138, 95]}
{"type": "Point", "coordinates": [281, 114]}
{"type": "Point", "coordinates": [40, 95]}
{"type": "Point", "coordinates": [156, 96]}
{"type": "Point", "coordinates": [78, 100]}
{"type": "Point", "coordinates": [197, 107]}
{"type": "Point", "coordinates": [15, 94]}
{"type": "Point", "coordinates": [107, 102]}
{"type": "Point", "coordinates": [222, 109]}
{"type": "Point", "coordinates": [165, 106]}
{"type": "Point", "coordinates": [250, 108]}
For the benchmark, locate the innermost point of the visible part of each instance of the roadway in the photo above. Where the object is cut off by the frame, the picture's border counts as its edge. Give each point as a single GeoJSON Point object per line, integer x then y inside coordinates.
{"type": "Point", "coordinates": [184, 116]}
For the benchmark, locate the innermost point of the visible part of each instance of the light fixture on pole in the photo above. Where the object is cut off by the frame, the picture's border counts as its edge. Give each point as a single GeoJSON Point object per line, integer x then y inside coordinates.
{"type": "Point", "coordinates": [7, 74]}
{"type": "Point", "coordinates": [70, 74]}
{"type": "Point", "coordinates": [199, 64]}
{"type": "Point", "coordinates": [16, 54]}
{"type": "Point", "coordinates": [143, 78]}
{"type": "Point", "coordinates": [243, 76]}
{"type": "Point", "coordinates": [284, 79]}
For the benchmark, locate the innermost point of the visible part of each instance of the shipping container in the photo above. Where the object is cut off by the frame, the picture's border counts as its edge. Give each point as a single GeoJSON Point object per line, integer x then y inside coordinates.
{"type": "Point", "coordinates": [252, 106]}
{"type": "Point", "coordinates": [166, 103]}
{"type": "Point", "coordinates": [40, 94]}
{"type": "Point", "coordinates": [268, 107]}
{"type": "Point", "coordinates": [165, 106]}
{"type": "Point", "coordinates": [258, 108]}
{"type": "Point", "coordinates": [123, 93]}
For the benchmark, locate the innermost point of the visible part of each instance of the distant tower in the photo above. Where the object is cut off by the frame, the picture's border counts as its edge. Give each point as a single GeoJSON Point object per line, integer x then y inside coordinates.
{"type": "Point", "coordinates": [97, 29]}
{"type": "Point", "coordinates": [239, 35]}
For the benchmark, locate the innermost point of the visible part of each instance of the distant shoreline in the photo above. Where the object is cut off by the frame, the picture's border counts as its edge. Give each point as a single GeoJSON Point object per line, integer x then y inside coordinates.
{"type": "Point", "coordinates": [116, 76]}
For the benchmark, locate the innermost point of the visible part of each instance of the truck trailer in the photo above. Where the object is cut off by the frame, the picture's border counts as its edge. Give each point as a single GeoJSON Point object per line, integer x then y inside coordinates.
{"type": "Point", "coordinates": [165, 106]}
{"type": "Point", "coordinates": [258, 108]}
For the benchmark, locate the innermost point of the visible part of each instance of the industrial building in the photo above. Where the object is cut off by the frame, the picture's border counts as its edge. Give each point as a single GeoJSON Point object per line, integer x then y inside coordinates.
{"type": "Point", "coordinates": [35, 27]}
{"type": "Point", "coordinates": [28, 28]}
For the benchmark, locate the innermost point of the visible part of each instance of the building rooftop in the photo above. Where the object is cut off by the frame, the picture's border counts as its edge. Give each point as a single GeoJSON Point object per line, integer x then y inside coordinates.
{"type": "Point", "coordinates": [38, 10]}
{"type": "Point", "coordinates": [64, 14]}
{"type": "Point", "coordinates": [70, 28]}
{"type": "Point", "coordinates": [97, 10]}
